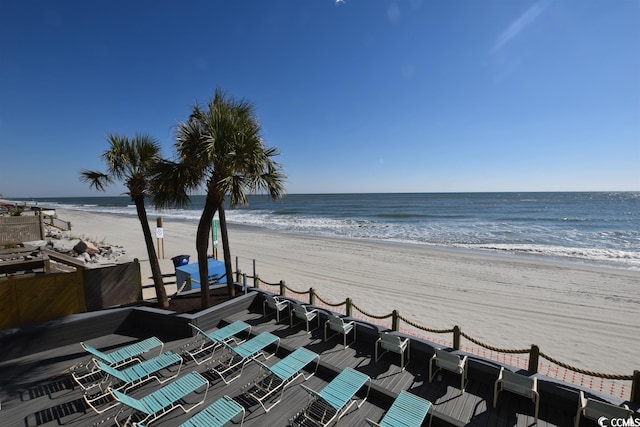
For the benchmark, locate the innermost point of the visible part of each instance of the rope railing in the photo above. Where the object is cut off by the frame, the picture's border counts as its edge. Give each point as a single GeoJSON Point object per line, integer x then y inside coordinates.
{"type": "Point", "coordinates": [373, 316]}
{"type": "Point", "coordinates": [331, 304]}
{"type": "Point", "coordinates": [496, 349]}
{"type": "Point", "coordinates": [534, 353]}
{"type": "Point", "coordinates": [586, 372]}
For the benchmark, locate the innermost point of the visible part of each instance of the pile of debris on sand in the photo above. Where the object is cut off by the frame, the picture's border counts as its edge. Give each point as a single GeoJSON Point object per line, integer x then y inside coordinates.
{"type": "Point", "coordinates": [84, 250]}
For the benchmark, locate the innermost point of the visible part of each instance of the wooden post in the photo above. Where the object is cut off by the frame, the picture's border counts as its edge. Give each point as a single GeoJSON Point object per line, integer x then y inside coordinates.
{"type": "Point", "coordinates": [283, 289]}
{"type": "Point", "coordinates": [456, 337]}
{"type": "Point", "coordinates": [237, 270]}
{"type": "Point", "coordinates": [312, 297]}
{"type": "Point", "coordinates": [160, 236]}
{"type": "Point", "coordinates": [138, 277]}
{"type": "Point", "coordinates": [244, 282]}
{"type": "Point", "coordinates": [256, 281]}
{"type": "Point", "coordinates": [635, 387]}
{"type": "Point", "coordinates": [348, 307]}
{"type": "Point", "coordinates": [395, 321]}
{"type": "Point", "coordinates": [534, 358]}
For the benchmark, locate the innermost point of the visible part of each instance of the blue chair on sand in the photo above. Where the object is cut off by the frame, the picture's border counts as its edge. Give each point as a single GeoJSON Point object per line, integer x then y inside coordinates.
{"type": "Point", "coordinates": [237, 357]}
{"type": "Point", "coordinates": [217, 414]}
{"type": "Point", "coordinates": [133, 376]}
{"type": "Point", "coordinates": [334, 400]}
{"type": "Point", "coordinates": [162, 401]}
{"type": "Point", "coordinates": [408, 410]}
{"type": "Point", "coordinates": [206, 343]}
{"type": "Point", "coordinates": [276, 378]}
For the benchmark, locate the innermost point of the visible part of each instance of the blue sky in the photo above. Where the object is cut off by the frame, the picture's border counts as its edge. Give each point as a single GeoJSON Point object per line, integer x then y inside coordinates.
{"type": "Point", "coordinates": [359, 96]}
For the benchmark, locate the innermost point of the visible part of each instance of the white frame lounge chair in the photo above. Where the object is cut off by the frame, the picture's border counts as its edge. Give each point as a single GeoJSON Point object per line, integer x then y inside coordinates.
{"type": "Point", "coordinates": [206, 342]}
{"type": "Point", "coordinates": [274, 303]}
{"type": "Point", "coordinates": [87, 374]}
{"type": "Point", "coordinates": [238, 357]}
{"type": "Point", "coordinates": [127, 354]}
{"type": "Point", "coordinates": [302, 312]}
{"type": "Point", "coordinates": [278, 377]}
{"type": "Point", "coordinates": [394, 344]}
{"type": "Point", "coordinates": [334, 400]}
{"type": "Point", "coordinates": [162, 401]}
{"type": "Point", "coordinates": [218, 414]}
{"type": "Point", "coordinates": [132, 376]}
{"type": "Point", "coordinates": [339, 326]}
{"type": "Point", "coordinates": [594, 409]}
{"type": "Point", "coordinates": [450, 362]}
{"type": "Point", "coordinates": [407, 410]}
{"type": "Point", "coordinates": [518, 384]}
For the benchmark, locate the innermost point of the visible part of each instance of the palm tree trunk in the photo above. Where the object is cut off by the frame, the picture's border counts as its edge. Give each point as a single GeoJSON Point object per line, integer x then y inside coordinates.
{"type": "Point", "coordinates": [161, 292]}
{"type": "Point", "coordinates": [231, 289]}
{"type": "Point", "coordinates": [202, 244]}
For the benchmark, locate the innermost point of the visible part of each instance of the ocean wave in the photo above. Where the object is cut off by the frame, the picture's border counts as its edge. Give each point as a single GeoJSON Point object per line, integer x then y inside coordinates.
{"type": "Point", "coordinates": [593, 231]}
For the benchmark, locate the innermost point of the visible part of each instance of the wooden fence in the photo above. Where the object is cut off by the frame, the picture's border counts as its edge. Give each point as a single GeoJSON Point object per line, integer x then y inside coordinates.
{"type": "Point", "coordinates": [16, 229]}
{"type": "Point", "coordinates": [39, 298]}
{"type": "Point", "coordinates": [35, 298]}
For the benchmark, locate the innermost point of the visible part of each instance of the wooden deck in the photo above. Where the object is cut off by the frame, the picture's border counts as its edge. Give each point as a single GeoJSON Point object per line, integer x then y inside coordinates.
{"type": "Point", "coordinates": [37, 390]}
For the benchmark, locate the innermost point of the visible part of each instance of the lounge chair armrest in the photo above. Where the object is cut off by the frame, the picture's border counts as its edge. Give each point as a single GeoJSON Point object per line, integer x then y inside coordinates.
{"type": "Point", "coordinates": [313, 393]}
{"type": "Point", "coordinates": [372, 423]}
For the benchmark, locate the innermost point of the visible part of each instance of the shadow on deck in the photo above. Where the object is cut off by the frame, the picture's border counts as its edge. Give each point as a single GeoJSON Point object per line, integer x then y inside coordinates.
{"type": "Point", "coordinates": [36, 388]}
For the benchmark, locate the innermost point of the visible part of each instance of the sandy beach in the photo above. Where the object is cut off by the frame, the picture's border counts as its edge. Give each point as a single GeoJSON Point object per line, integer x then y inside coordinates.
{"type": "Point", "coordinates": [583, 315]}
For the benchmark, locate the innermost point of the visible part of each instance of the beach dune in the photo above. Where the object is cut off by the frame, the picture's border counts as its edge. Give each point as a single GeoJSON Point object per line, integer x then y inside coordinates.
{"type": "Point", "coordinates": [583, 315]}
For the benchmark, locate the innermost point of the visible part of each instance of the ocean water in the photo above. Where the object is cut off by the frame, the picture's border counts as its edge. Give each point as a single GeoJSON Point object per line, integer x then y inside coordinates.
{"type": "Point", "coordinates": [589, 227]}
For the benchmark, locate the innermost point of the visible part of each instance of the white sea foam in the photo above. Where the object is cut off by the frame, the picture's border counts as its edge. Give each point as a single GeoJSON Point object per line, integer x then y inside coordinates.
{"type": "Point", "coordinates": [575, 226]}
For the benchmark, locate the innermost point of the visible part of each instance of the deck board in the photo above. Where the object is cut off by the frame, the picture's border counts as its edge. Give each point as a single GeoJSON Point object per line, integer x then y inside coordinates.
{"type": "Point", "coordinates": [37, 390]}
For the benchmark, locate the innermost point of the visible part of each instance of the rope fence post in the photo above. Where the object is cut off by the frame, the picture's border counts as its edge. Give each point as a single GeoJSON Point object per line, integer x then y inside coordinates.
{"type": "Point", "coordinates": [635, 387]}
{"type": "Point", "coordinates": [395, 321]}
{"type": "Point", "coordinates": [256, 281]}
{"type": "Point", "coordinates": [534, 358]}
{"type": "Point", "coordinates": [312, 297]}
{"type": "Point", "coordinates": [348, 308]}
{"type": "Point", "coordinates": [238, 272]}
{"type": "Point", "coordinates": [282, 288]}
{"type": "Point", "coordinates": [456, 337]}
{"type": "Point", "coordinates": [244, 282]}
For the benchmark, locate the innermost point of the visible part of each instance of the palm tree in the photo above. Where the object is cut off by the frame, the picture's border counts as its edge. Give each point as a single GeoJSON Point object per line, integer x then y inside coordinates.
{"type": "Point", "coordinates": [131, 161]}
{"type": "Point", "coordinates": [218, 147]}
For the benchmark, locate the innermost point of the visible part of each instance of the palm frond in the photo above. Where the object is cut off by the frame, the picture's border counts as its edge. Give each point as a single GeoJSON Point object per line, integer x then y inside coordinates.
{"type": "Point", "coordinates": [95, 179]}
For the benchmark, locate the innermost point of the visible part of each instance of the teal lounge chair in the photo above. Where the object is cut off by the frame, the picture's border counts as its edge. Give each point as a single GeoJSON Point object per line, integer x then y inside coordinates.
{"type": "Point", "coordinates": [217, 414]}
{"type": "Point", "coordinates": [334, 400]}
{"type": "Point", "coordinates": [162, 401]}
{"type": "Point", "coordinates": [87, 375]}
{"type": "Point", "coordinates": [125, 354]}
{"type": "Point", "coordinates": [237, 357]}
{"type": "Point", "coordinates": [408, 410]}
{"type": "Point", "coordinates": [133, 376]}
{"type": "Point", "coordinates": [276, 378]}
{"type": "Point", "coordinates": [207, 343]}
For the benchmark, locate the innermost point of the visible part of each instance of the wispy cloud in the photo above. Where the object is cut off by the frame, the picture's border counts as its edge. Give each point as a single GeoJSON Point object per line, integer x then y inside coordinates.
{"type": "Point", "coordinates": [520, 24]}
